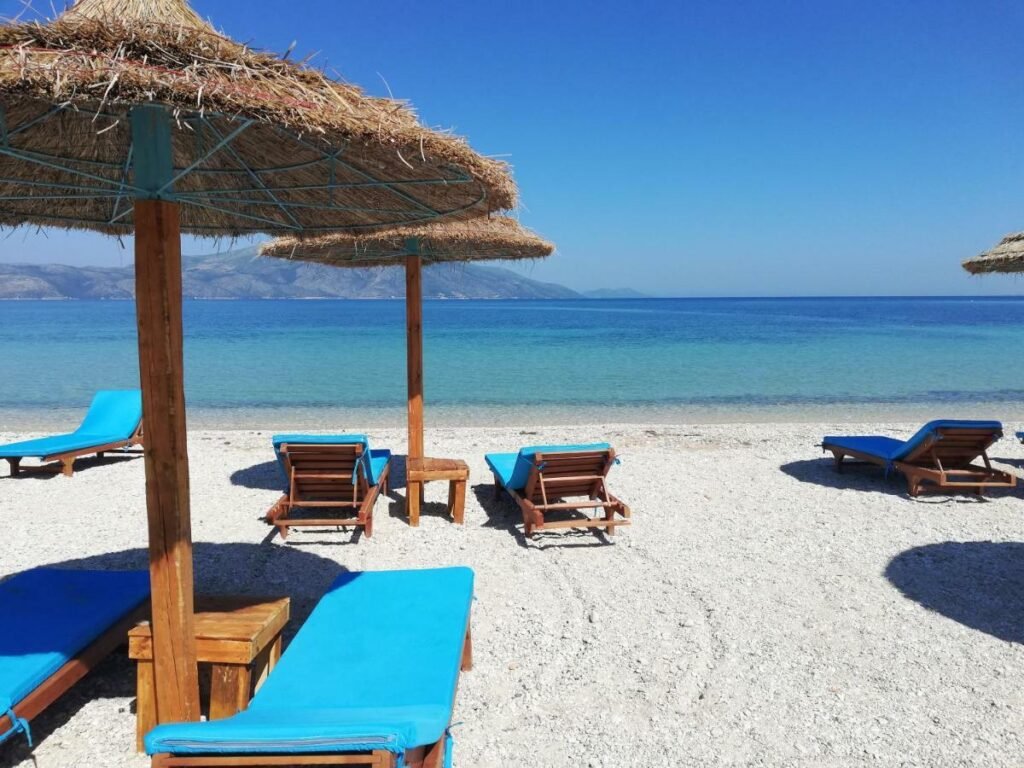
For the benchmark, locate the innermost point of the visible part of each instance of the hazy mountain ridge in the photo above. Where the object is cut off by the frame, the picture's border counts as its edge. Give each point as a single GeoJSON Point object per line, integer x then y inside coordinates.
{"type": "Point", "coordinates": [240, 274]}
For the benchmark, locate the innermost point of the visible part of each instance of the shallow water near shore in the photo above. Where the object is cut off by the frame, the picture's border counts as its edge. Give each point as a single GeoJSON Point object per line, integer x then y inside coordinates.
{"type": "Point", "coordinates": [281, 362]}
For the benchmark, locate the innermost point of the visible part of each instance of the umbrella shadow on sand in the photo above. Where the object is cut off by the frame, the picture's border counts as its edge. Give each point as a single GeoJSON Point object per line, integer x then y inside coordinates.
{"type": "Point", "coordinates": [872, 478]}
{"type": "Point", "coordinates": [263, 570]}
{"type": "Point", "coordinates": [979, 584]}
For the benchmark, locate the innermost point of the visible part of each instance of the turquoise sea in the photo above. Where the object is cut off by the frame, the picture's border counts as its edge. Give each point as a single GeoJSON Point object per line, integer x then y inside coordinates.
{"type": "Point", "coordinates": [306, 363]}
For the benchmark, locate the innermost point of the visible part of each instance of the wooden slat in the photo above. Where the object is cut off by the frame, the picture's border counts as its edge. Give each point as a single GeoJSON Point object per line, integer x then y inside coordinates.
{"type": "Point", "coordinates": [161, 364]}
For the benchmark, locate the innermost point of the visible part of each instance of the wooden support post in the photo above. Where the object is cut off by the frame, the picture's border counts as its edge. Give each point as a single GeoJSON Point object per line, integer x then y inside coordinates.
{"type": "Point", "coordinates": [414, 342]}
{"type": "Point", "coordinates": [161, 364]}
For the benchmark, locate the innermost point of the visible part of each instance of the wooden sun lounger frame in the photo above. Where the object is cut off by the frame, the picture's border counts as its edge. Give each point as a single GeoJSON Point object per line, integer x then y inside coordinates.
{"type": "Point", "coordinates": [67, 459]}
{"type": "Point", "coordinates": [944, 460]}
{"type": "Point", "coordinates": [61, 681]}
{"type": "Point", "coordinates": [561, 474]}
{"type": "Point", "coordinates": [429, 756]}
{"type": "Point", "coordinates": [328, 488]}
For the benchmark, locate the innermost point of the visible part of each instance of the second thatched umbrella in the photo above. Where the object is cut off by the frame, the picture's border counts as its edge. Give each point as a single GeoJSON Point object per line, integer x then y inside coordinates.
{"type": "Point", "coordinates": [486, 239]}
{"type": "Point", "coordinates": [1008, 256]}
{"type": "Point", "coordinates": [124, 116]}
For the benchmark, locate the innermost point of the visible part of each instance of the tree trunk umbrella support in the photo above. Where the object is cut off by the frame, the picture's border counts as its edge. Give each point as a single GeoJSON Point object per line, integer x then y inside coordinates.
{"type": "Point", "coordinates": [161, 365]}
{"type": "Point", "coordinates": [414, 345]}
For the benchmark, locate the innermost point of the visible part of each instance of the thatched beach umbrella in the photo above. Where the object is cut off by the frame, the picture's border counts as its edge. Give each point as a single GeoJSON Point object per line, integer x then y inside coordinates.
{"type": "Point", "coordinates": [495, 238]}
{"type": "Point", "coordinates": [136, 115]}
{"type": "Point", "coordinates": [1008, 256]}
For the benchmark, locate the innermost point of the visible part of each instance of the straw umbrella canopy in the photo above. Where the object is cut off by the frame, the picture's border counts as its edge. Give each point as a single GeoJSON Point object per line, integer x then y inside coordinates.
{"type": "Point", "coordinates": [1008, 256]}
{"type": "Point", "coordinates": [495, 238]}
{"type": "Point", "coordinates": [125, 116]}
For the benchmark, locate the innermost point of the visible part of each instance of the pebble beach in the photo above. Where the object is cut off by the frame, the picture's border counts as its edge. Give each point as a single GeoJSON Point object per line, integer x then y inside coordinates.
{"type": "Point", "coordinates": [761, 610]}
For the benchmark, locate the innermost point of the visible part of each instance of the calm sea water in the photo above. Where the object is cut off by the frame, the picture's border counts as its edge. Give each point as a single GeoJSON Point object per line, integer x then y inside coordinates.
{"type": "Point", "coordinates": [271, 363]}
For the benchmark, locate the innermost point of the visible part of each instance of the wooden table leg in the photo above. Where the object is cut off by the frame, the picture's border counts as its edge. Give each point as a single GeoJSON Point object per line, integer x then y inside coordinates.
{"type": "Point", "coordinates": [457, 500]}
{"type": "Point", "coordinates": [413, 496]}
{"type": "Point", "coordinates": [230, 689]}
{"type": "Point", "coordinates": [265, 662]}
{"type": "Point", "coordinates": [145, 702]}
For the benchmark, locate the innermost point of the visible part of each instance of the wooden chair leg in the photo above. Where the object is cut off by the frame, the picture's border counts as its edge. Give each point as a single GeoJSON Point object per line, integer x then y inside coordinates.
{"type": "Point", "coordinates": [67, 467]}
{"type": "Point", "coordinates": [497, 488]}
{"type": "Point", "coordinates": [838, 461]}
{"type": "Point", "coordinates": [15, 466]}
{"type": "Point", "coordinates": [368, 525]}
{"type": "Point", "coordinates": [458, 494]}
{"type": "Point", "coordinates": [467, 651]}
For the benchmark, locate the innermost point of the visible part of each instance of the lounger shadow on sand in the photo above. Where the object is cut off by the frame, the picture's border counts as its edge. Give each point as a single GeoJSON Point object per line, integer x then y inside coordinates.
{"type": "Point", "coordinates": [940, 456]}
{"type": "Point", "coordinates": [113, 421]}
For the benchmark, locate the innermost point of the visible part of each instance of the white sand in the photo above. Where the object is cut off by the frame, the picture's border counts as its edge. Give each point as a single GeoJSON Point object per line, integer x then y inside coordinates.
{"type": "Point", "coordinates": [746, 618]}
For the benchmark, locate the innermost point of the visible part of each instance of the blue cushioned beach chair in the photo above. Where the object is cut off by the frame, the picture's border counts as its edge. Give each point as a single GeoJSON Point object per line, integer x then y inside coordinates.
{"type": "Point", "coordinates": [369, 679]}
{"type": "Point", "coordinates": [114, 421]}
{"type": "Point", "coordinates": [941, 453]}
{"type": "Point", "coordinates": [328, 472]}
{"type": "Point", "coordinates": [55, 626]}
{"type": "Point", "coordinates": [540, 477]}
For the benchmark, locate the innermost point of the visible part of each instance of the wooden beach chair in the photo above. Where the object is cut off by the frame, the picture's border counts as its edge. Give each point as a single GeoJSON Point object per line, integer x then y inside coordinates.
{"type": "Point", "coordinates": [57, 626]}
{"type": "Point", "coordinates": [369, 680]}
{"type": "Point", "coordinates": [329, 473]}
{"type": "Point", "coordinates": [113, 421]}
{"type": "Point", "coordinates": [540, 479]}
{"type": "Point", "coordinates": [940, 456]}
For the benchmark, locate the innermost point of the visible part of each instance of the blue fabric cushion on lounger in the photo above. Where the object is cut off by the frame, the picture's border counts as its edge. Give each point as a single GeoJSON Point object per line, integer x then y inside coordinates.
{"type": "Point", "coordinates": [890, 449]}
{"type": "Point", "coordinates": [113, 417]}
{"type": "Point", "coordinates": [513, 469]}
{"type": "Point", "coordinates": [374, 667]}
{"type": "Point", "coordinates": [378, 458]}
{"type": "Point", "coordinates": [48, 616]}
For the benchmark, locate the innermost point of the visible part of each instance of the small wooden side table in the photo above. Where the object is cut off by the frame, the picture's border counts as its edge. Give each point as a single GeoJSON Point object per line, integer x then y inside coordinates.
{"type": "Point", "coordinates": [420, 471]}
{"type": "Point", "coordinates": [240, 637]}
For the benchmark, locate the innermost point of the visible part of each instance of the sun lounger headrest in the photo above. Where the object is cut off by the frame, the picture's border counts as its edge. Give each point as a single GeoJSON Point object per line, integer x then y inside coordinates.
{"type": "Point", "coordinates": [524, 461]}
{"type": "Point", "coordinates": [113, 412]}
{"type": "Point", "coordinates": [348, 439]}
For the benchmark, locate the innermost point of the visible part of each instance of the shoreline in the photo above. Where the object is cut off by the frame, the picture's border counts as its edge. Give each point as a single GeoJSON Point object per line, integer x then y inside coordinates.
{"type": "Point", "coordinates": [44, 418]}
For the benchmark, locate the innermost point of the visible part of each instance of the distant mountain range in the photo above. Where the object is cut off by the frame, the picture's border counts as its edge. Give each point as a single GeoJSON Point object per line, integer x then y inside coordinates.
{"type": "Point", "coordinates": [241, 274]}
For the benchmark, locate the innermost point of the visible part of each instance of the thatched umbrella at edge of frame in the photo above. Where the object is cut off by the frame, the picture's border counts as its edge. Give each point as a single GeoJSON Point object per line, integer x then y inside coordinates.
{"type": "Point", "coordinates": [1006, 257]}
{"type": "Point", "coordinates": [136, 115]}
{"type": "Point", "coordinates": [490, 239]}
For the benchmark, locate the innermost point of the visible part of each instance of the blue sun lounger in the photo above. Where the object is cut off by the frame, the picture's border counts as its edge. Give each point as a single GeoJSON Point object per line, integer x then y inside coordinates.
{"type": "Point", "coordinates": [941, 453]}
{"type": "Point", "coordinates": [55, 626]}
{"type": "Point", "coordinates": [114, 420]}
{"type": "Point", "coordinates": [370, 676]}
{"type": "Point", "coordinates": [539, 477]}
{"type": "Point", "coordinates": [328, 472]}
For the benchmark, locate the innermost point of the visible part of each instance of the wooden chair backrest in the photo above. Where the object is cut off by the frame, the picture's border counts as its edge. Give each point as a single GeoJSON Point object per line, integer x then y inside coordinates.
{"type": "Point", "coordinates": [567, 473]}
{"type": "Point", "coordinates": [953, 446]}
{"type": "Point", "coordinates": [324, 471]}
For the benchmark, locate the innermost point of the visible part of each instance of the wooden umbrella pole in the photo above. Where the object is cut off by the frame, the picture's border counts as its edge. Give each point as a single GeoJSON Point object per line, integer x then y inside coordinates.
{"type": "Point", "coordinates": [161, 365]}
{"type": "Point", "coordinates": [414, 349]}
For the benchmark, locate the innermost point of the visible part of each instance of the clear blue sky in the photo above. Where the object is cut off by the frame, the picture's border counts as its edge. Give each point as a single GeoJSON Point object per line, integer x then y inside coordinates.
{"type": "Point", "coordinates": [699, 148]}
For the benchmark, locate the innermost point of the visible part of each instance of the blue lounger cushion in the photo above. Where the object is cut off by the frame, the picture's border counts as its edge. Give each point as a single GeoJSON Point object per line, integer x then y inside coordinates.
{"type": "Point", "coordinates": [889, 449]}
{"type": "Point", "coordinates": [377, 458]}
{"type": "Point", "coordinates": [512, 470]}
{"type": "Point", "coordinates": [48, 616]}
{"type": "Point", "coordinates": [375, 666]}
{"type": "Point", "coordinates": [113, 417]}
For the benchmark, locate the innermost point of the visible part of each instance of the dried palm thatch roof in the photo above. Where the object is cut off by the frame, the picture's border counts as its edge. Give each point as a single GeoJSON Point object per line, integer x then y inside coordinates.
{"type": "Point", "coordinates": [486, 239]}
{"type": "Point", "coordinates": [260, 144]}
{"type": "Point", "coordinates": [1008, 256]}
